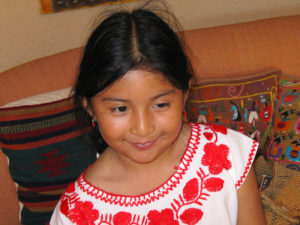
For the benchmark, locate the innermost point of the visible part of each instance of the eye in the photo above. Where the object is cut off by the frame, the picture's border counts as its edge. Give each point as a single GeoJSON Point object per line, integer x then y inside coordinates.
{"type": "Point", "coordinates": [162, 105]}
{"type": "Point", "coordinates": [119, 109]}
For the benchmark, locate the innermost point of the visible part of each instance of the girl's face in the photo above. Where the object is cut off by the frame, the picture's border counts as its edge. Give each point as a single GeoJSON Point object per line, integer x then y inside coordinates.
{"type": "Point", "coordinates": [139, 115]}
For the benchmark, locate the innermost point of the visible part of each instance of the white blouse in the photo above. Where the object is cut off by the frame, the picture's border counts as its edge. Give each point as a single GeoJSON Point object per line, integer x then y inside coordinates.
{"type": "Point", "coordinates": [203, 190]}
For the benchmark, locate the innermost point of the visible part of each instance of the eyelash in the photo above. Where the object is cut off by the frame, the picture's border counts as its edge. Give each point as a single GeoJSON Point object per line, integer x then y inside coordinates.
{"type": "Point", "coordinates": [119, 109]}
{"type": "Point", "coordinates": [123, 109]}
{"type": "Point", "coordinates": [162, 105]}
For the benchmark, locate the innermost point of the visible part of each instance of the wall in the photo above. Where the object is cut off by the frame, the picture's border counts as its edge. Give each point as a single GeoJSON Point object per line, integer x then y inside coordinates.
{"type": "Point", "coordinates": [25, 34]}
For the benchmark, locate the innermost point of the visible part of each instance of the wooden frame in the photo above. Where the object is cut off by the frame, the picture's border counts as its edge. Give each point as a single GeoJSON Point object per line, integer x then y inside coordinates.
{"type": "Point", "coordinates": [52, 6]}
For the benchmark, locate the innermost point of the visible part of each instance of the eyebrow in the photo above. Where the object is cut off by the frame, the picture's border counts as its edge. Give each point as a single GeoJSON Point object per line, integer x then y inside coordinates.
{"type": "Point", "coordinates": [125, 100]}
{"type": "Point", "coordinates": [163, 94]}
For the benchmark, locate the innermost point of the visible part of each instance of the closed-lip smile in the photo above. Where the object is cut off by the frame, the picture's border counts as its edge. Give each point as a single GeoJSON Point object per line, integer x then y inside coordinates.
{"type": "Point", "coordinates": [144, 145]}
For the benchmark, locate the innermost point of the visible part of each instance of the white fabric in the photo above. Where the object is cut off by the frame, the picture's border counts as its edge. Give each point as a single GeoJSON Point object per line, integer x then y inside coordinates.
{"type": "Point", "coordinates": [203, 190]}
{"type": "Point", "coordinates": [41, 98]}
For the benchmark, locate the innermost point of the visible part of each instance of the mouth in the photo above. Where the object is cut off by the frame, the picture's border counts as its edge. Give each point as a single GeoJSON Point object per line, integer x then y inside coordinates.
{"type": "Point", "coordinates": [143, 146]}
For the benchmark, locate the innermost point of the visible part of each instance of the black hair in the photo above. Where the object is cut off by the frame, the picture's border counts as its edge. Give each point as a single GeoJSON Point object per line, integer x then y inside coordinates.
{"type": "Point", "coordinates": [129, 40]}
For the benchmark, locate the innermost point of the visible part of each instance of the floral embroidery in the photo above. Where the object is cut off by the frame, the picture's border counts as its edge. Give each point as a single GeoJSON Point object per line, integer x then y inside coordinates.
{"type": "Point", "coordinates": [80, 213]}
{"type": "Point", "coordinates": [215, 158]}
{"type": "Point", "coordinates": [122, 218]}
{"type": "Point", "coordinates": [83, 213]}
{"type": "Point", "coordinates": [214, 184]}
{"type": "Point", "coordinates": [67, 198]}
{"type": "Point", "coordinates": [191, 216]}
{"type": "Point", "coordinates": [191, 190]}
{"type": "Point", "coordinates": [212, 129]}
{"type": "Point", "coordinates": [194, 193]}
{"type": "Point", "coordinates": [186, 208]}
{"type": "Point", "coordinates": [165, 217]}
{"type": "Point", "coordinates": [219, 128]}
{"type": "Point", "coordinates": [64, 206]}
{"type": "Point", "coordinates": [70, 189]}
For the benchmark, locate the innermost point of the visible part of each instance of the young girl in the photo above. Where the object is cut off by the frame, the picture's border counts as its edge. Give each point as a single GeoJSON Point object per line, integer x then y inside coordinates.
{"type": "Point", "coordinates": [155, 169]}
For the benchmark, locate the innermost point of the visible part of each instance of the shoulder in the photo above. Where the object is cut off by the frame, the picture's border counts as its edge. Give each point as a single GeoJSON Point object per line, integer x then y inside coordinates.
{"type": "Point", "coordinates": [220, 135]}
{"type": "Point", "coordinates": [226, 149]}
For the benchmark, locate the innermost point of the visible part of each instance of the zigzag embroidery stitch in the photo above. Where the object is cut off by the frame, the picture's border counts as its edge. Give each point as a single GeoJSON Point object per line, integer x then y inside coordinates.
{"type": "Point", "coordinates": [161, 191]}
{"type": "Point", "coordinates": [247, 168]}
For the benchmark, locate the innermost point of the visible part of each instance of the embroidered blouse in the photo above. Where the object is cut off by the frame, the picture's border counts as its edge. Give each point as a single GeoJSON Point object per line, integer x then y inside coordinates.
{"type": "Point", "coordinates": [203, 190]}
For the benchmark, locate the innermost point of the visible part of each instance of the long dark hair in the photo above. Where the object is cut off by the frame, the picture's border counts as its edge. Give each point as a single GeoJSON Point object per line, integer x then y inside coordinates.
{"type": "Point", "coordinates": [124, 41]}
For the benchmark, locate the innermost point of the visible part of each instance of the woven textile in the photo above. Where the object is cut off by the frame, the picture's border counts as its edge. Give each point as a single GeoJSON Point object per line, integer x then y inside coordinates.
{"type": "Point", "coordinates": [243, 104]}
{"type": "Point", "coordinates": [285, 141]}
{"type": "Point", "coordinates": [46, 152]}
{"type": "Point", "coordinates": [281, 199]}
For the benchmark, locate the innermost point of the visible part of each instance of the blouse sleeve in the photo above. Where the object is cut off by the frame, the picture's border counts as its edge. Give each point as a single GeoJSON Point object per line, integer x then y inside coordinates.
{"type": "Point", "coordinates": [242, 153]}
{"type": "Point", "coordinates": [59, 218]}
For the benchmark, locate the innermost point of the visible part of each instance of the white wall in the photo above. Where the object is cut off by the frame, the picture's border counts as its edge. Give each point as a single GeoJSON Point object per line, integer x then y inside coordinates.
{"type": "Point", "coordinates": [25, 34]}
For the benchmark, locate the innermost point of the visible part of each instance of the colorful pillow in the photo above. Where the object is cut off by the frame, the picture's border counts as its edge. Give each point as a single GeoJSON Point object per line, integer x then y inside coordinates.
{"type": "Point", "coordinates": [46, 151]}
{"type": "Point", "coordinates": [245, 104]}
{"type": "Point", "coordinates": [285, 142]}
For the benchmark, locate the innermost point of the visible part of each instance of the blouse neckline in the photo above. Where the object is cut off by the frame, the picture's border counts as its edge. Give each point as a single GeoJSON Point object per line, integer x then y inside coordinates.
{"type": "Point", "coordinates": [158, 192]}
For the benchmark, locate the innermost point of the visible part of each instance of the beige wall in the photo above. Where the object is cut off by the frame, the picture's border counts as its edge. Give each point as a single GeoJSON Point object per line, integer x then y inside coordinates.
{"type": "Point", "coordinates": [25, 34]}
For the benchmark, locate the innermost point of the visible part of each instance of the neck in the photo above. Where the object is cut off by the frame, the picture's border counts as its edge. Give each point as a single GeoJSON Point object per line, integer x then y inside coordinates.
{"type": "Point", "coordinates": [169, 159]}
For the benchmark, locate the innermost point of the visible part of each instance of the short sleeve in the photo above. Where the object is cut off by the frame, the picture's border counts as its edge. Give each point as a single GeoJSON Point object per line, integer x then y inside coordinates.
{"type": "Point", "coordinates": [242, 153]}
{"type": "Point", "coordinates": [58, 218]}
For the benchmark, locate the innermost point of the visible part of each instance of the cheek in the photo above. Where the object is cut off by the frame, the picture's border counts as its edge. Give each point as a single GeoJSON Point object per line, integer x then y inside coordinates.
{"type": "Point", "coordinates": [112, 128]}
{"type": "Point", "coordinates": [171, 121]}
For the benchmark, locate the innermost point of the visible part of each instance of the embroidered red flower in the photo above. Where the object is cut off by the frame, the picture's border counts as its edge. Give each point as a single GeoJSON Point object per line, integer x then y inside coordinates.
{"type": "Point", "coordinates": [212, 130]}
{"type": "Point", "coordinates": [83, 213]}
{"type": "Point", "coordinates": [165, 217]}
{"type": "Point", "coordinates": [213, 184]}
{"type": "Point", "coordinates": [208, 135]}
{"type": "Point", "coordinates": [122, 218]}
{"type": "Point", "coordinates": [64, 206]}
{"type": "Point", "coordinates": [191, 216]}
{"type": "Point", "coordinates": [218, 128]}
{"type": "Point", "coordinates": [65, 199]}
{"type": "Point", "coordinates": [215, 158]}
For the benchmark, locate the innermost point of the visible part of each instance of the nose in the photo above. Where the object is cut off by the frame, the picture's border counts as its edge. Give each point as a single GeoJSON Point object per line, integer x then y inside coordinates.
{"type": "Point", "coordinates": [142, 123]}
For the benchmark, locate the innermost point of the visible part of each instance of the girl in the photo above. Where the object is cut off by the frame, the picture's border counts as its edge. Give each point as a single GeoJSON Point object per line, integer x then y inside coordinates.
{"type": "Point", "coordinates": [155, 169]}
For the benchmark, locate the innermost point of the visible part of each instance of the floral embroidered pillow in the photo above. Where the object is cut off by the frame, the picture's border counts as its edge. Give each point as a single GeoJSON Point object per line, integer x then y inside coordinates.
{"type": "Point", "coordinates": [285, 142]}
{"type": "Point", "coordinates": [245, 104]}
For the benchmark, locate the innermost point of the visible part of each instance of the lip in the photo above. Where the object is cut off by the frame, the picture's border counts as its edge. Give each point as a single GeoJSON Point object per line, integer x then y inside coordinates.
{"type": "Point", "coordinates": [144, 145]}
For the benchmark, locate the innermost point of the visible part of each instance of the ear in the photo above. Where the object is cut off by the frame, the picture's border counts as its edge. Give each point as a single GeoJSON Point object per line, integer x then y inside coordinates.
{"type": "Point", "coordinates": [87, 107]}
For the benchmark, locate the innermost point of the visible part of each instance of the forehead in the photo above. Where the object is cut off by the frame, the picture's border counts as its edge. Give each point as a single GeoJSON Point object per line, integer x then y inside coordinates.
{"type": "Point", "coordinates": [136, 81]}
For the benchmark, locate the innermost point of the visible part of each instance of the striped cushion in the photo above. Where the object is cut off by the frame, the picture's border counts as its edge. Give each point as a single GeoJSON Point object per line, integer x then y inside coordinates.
{"type": "Point", "coordinates": [46, 152]}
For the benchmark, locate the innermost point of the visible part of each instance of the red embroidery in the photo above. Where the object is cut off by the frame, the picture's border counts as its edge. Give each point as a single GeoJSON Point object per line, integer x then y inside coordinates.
{"type": "Point", "coordinates": [64, 206]}
{"type": "Point", "coordinates": [208, 135]}
{"type": "Point", "coordinates": [213, 184]}
{"type": "Point", "coordinates": [266, 113]}
{"type": "Point", "coordinates": [211, 131]}
{"type": "Point", "coordinates": [191, 190]}
{"type": "Point", "coordinates": [122, 218]}
{"type": "Point", "coordinates": [218, 128]}
{"type": "Point", "coordinates": [186, 208]}
{"type": "Point", "coordinates": [67, 198]}
{"type": "Point", "coordinates": [70, 189]}
{"type": "Point", "coordinates": [249, 163]}
{"type": "Point", "coordinates": [165, 217]}
{"type": "Point", "coordinates": [193, 194]}
{"type": "Point", "coordinates": [191, 216]}
{"type": "Point", "coordinates": [160, 192]}
{"type": "Point", "coordinates": [215, 158]}
{"type": "Point", "coordinates": [83, 213]}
